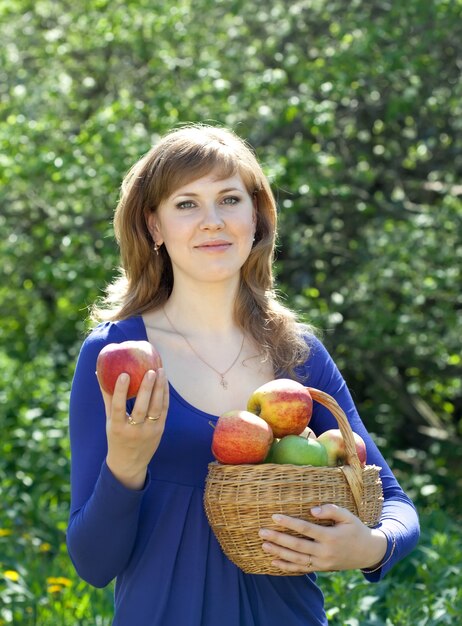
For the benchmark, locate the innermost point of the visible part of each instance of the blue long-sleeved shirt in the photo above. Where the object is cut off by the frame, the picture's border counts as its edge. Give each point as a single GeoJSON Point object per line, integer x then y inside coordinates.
{"type": "Point", "coordinates": [157, 543]}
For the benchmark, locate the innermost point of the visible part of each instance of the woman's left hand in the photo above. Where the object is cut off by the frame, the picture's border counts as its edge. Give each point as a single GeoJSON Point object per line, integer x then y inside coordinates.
{"type": "Point", "coordinates": [347, 544]}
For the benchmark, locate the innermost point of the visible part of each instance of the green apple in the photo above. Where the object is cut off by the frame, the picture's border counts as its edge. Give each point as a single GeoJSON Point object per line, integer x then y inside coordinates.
{"type": "Point", "coordinates": [299, 450]}
{"type": "Point", "coordinates": [269, 456]}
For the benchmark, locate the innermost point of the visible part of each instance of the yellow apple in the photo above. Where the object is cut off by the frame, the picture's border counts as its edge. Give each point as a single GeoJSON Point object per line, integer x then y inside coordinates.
{"type": "Point", "coordinates": [334, 443]}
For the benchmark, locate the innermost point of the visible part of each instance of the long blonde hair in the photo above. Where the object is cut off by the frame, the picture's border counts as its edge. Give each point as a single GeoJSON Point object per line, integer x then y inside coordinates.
{"type": "Point", "coordinates": [146, 278]}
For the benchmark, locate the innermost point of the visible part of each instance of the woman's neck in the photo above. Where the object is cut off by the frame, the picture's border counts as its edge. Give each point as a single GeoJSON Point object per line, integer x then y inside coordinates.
{"type": "Point", "coordinates": [211, 309]}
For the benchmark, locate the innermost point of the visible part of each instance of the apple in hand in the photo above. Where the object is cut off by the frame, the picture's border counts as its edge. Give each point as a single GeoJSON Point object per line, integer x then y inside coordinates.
{"type": "Point", "coordinates": [241, 437]}
{"type": "Point", "coordinates": [285, 404]}
{"type": "Point", "coordinates": [299, 451]}
{"type": "Point", "coordinates": [134, 358]}
{"type": "Point", "coordinates": [334, 443]}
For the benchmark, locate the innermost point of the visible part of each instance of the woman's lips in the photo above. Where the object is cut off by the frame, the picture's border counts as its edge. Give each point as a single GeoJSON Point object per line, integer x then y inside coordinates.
{"type": "Point", "coordinates": [214, 246]}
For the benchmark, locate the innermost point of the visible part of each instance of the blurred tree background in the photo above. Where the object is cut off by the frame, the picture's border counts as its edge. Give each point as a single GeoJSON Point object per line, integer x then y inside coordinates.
{"type": "Point", "coordinates": [355, 110]}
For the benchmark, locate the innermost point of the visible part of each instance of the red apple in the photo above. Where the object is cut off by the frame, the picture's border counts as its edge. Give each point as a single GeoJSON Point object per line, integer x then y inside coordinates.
{"type": "Point", "coordinates": [334, 443]}
{"type": "Point", "coordinates": [241, 437]}
{"type": "Point", "coordinates": [132, 357]}
{"type": "Point", "coordinates": [285, 404]}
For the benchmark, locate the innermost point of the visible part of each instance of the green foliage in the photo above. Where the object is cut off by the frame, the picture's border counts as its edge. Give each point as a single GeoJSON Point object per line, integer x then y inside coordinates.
{"type": "Point", "coordinates": [41, 589]}
{"type": "Point", "coordinates": [423, 590]}
{"type": "Point", "coordinates": [354, 109]}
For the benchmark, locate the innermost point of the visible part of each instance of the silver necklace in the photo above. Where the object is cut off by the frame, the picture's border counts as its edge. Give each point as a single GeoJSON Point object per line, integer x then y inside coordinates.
{"type": "Point", "coordinates": [223, 381]}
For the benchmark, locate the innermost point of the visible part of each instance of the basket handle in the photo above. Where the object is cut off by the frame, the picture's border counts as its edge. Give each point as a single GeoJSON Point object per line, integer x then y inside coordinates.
{"type": "Point", "coordinates": [352, 470]}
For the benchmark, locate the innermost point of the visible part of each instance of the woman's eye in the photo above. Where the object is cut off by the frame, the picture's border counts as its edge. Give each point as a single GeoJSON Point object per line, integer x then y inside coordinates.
{"type": "Point", "coordinates": [231, 200]}
{"type": "Point", "coordinates": [186, 204]}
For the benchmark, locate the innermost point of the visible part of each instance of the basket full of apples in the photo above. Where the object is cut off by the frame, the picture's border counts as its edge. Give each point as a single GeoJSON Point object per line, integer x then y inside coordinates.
{"type": "Point", "coordinates": [268, 460]}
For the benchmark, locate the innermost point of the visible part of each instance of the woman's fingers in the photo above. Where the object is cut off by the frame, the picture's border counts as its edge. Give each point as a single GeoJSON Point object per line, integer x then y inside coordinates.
{"type": "Point", "coordinates": [346, 543]}
{"type": "Point", "coordinates": [293, 553]}
{"type": "Point", "coordinates": [286, 541]}
{"type": "Point", "coordinates": [115, 405]}
{"type": "Point", "coordinates": [141, 407]}
{"type": "Point", "coordinates": [300, 526]}
{"type": "Point", "coordinates": [291, 561]}
{"type": "Point", "coordinates": [151, 402]}
{"type": "Point", "coordinates": [159, 400]}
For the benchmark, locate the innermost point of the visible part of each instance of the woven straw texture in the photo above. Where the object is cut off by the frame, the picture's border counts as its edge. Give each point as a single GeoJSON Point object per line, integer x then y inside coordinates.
{"type": "Point", "coordinates": [239, 500]}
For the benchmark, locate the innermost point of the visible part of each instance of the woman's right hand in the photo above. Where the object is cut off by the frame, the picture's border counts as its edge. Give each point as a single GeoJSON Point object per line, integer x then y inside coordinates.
{"type": "Point", "coordinates": [133, 439]}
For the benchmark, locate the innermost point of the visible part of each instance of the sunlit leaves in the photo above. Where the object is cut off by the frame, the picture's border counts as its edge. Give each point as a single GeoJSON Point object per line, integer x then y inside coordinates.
{"type": "Point", "coordinates": [354, 109]}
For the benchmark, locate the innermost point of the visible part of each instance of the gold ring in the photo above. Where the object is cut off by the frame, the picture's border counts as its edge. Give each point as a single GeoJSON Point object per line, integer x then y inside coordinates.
{"type": "Point", "coordinates": [310, 563]}
{"type": "Point", "coordinates": [152, 419]}
{"type": "Point", "coordinates": [132, 422]}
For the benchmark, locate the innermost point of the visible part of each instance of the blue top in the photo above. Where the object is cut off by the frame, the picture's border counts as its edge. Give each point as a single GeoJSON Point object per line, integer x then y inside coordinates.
{"type": "Point", "coordinates": [157, 543]}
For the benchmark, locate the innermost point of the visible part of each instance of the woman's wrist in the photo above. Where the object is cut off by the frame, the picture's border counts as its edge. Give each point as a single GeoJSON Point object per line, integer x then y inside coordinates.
{"type": "Point", "coordinates": [382, 540]}
{"type": "Point", "coordinates": [131, 480]}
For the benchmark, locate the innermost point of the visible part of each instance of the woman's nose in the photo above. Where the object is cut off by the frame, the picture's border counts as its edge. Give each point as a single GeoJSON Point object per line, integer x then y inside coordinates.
{"type": "Point", "coordinates": [212, 218]}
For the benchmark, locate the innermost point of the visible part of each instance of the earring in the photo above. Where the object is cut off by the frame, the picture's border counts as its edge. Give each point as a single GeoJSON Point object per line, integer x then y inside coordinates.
{"type": "Point", "coordinates": [156, 248]}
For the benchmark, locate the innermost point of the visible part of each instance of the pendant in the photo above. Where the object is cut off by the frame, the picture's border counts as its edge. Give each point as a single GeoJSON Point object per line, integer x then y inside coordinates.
{"type": "Point", "coordinates": [223, 382]}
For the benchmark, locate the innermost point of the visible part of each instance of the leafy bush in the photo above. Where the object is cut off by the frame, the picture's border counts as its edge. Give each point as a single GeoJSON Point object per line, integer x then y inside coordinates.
{"type": "Point", "coordinates": [422, 590]}
{"type": "Point", "coordinates": [354, 109]}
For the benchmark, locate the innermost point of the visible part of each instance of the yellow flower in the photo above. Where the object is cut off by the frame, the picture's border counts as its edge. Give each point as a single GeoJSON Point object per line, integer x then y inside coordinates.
{"type": "Point", "coordinates": [5, 532]}
{"type": "Point", "coordinates": [59, 580]}
{"type": "Point", "coordinates": [11, 574]}
{"type": "Point", "coordinates": [45, 547]}
{"type": "Point", "coordinates": [54, 588]}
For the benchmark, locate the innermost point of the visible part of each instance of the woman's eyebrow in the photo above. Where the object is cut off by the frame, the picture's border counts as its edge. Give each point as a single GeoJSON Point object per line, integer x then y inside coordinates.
{"type": "Point", "coordinates": [196, 195]}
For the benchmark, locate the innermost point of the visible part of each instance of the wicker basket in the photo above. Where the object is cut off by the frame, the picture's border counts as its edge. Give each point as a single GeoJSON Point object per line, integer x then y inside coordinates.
{"type": "Point", "coordinates": [239, 500]}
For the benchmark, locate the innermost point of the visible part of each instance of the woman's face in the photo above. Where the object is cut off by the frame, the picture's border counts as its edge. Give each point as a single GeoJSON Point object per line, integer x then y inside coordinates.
{"type": "Point", "coordinates": [207, 227]}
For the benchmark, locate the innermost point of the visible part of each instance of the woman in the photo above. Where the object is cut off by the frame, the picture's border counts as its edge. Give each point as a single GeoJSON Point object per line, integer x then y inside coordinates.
{"type": "Point", "coordinates": [196, 226]}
